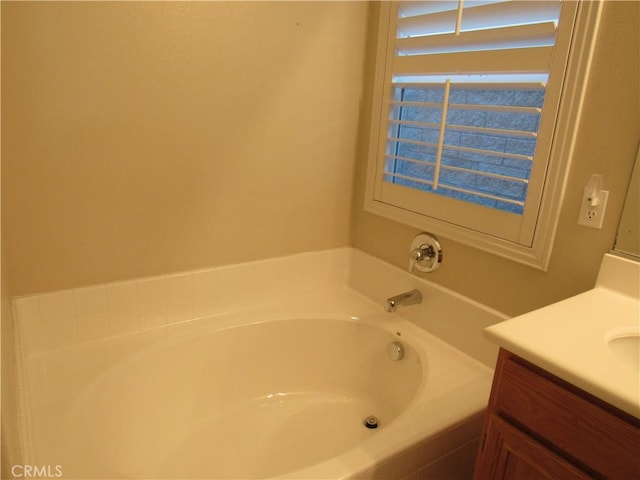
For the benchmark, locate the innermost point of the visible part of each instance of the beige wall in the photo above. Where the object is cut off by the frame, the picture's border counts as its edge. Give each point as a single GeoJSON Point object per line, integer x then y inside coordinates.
{"type": "Point", "coordinates": [9, 440]}
{"type": "Point", "coordinates": [144, 138]}
{"type": "Point", "coordinates": [608, 138]}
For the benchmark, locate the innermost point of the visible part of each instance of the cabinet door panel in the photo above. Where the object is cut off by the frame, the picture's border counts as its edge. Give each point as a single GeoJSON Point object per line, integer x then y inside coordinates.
{"type": "Point", "coordinates": [582, 430]}
{"type": "Point", "coordinates": [511, 454]}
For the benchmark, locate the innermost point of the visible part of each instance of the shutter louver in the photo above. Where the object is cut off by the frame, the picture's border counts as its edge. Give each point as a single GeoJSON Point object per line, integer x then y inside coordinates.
{"type": "Point", "coordinates": [466, 98]}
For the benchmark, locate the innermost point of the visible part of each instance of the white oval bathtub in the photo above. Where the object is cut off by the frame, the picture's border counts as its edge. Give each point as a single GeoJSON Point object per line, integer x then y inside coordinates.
{"type": "Point", "coordinates": [238, 396]}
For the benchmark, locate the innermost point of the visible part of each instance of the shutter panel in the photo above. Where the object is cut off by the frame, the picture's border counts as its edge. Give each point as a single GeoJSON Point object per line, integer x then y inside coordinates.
{"type": "Point", "coordinates": [466, 91]}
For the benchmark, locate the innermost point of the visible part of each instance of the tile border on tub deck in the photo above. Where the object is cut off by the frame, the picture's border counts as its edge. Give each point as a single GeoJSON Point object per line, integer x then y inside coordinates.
{"type": "Point", "coordinates": [72, 317]}
{"type": "Point", "coordinates": [76, 316]}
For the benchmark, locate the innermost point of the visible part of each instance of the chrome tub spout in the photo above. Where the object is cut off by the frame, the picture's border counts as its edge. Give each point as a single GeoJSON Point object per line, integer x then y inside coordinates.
{"type": "Point", "coordinates": [403, 299]}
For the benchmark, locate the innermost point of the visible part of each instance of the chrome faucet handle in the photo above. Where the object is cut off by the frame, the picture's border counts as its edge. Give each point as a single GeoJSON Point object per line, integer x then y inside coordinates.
{"type": "Point", "coordinates": [418, 255]}
{"type": "Point", "coordinates": [425, 254]}
{"type": "Point", "coordinates": [424, 258]}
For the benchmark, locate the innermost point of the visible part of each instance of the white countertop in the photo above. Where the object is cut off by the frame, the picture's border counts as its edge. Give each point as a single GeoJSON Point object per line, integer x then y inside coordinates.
{"type": "Point", "coordinates": [570, 338]}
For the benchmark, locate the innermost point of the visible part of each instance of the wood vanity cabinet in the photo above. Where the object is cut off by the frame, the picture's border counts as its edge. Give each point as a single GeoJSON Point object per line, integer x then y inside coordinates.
{"type": "Point", "coordinates": [538, 426]}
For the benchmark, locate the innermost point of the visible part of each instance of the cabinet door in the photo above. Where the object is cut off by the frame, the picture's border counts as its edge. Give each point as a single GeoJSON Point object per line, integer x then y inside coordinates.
{"type": "Point", "coordinates": [509, 453]}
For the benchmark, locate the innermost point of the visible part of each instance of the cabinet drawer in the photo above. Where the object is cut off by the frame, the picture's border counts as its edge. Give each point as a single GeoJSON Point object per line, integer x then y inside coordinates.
{"type": "Point", "coordinates": [564, 418]}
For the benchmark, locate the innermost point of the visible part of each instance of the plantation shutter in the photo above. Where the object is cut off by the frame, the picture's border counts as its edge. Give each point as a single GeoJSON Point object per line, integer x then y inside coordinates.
{"type": "Point", "coordinates": [471, 94]}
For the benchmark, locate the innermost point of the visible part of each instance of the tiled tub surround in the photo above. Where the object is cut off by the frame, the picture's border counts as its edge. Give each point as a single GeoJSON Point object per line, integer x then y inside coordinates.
{"type": "Point", "coordinates": [70, 343]}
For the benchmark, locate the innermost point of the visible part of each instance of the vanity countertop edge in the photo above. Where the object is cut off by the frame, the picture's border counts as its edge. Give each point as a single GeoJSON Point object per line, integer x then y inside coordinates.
{"type": "Point", "coordinates": [570, 338]}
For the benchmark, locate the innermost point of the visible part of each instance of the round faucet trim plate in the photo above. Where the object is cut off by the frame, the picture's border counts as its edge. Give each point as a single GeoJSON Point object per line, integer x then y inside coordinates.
{"type": "Point", "coordinates": [425, 253]}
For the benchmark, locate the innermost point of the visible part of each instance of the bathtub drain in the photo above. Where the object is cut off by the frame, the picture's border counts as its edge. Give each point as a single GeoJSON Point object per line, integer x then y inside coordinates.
{"type": "Point", "coordinates": [371, 422]}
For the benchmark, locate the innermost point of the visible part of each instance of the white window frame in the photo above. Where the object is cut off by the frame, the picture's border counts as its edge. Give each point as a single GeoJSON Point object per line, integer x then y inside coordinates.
{"type": "Point", "coordinates": [536, 252]}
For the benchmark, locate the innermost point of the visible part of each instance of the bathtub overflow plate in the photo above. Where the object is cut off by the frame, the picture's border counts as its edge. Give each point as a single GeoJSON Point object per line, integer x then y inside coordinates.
{"type": "Point", "coordinates": [395, 351]}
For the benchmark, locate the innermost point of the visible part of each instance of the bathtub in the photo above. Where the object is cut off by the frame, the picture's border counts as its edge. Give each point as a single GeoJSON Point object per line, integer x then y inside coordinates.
{"type": "Point", "coordinates": [280, 391]}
